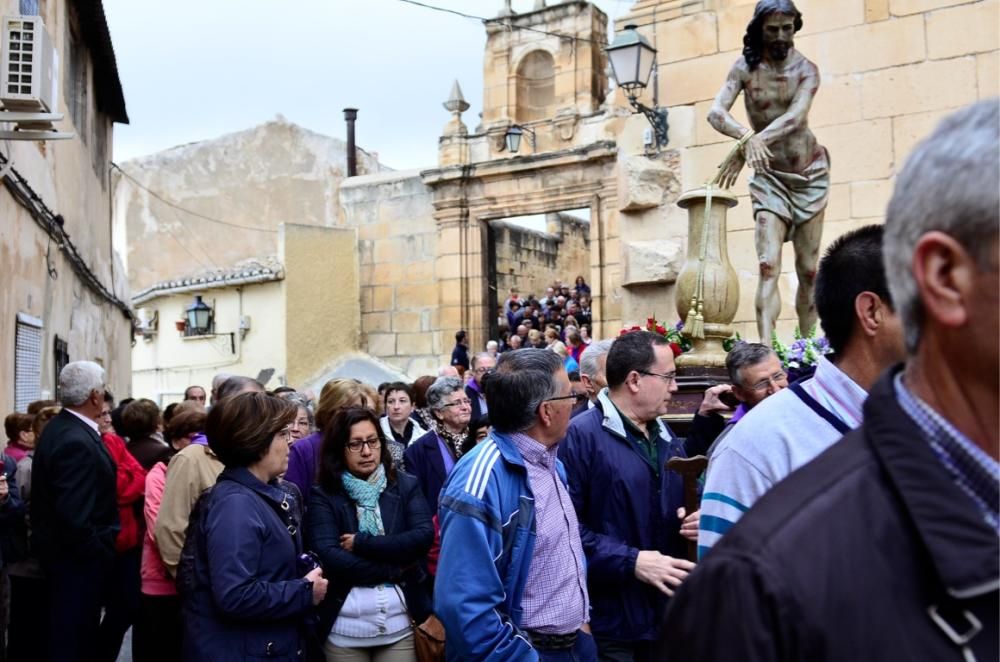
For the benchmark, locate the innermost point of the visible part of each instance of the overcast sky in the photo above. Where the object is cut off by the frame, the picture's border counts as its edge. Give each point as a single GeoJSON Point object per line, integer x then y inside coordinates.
{"type": "Point", "coordinates": [196, 69]}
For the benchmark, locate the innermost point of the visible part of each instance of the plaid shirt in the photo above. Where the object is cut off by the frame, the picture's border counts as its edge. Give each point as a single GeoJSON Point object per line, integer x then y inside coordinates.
{"type": "Point", "coordinates": [975, 472]}
{"type": "Point", "coordinates": [555, 593]}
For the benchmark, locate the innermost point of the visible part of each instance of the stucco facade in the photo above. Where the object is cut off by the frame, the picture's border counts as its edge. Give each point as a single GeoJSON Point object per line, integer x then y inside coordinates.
{"type": "Point", "coordinates": [287, 318]}
{"type": "Point", "coordinates": [65, 278]}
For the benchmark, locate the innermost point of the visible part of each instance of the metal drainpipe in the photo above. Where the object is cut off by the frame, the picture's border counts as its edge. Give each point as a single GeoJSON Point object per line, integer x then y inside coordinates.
{"type": "Point", "coordinates": [351, 114]}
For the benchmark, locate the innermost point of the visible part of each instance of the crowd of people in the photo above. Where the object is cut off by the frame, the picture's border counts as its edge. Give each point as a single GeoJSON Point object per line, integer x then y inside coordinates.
{"type": "Point", "coordinates": [560, 320]}
{"type": "Point", "coordinates": [524, 511]}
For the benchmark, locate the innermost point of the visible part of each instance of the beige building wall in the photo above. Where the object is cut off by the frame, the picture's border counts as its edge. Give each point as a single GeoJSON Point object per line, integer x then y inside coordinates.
{"type": "Point", "coordinates": [296, 322]}
{"type": "Point", "coordinates": [165, 364]}
{"type": "Point", "coordinates": [890, 70]}
{"type": "Point", "coordinates": [321, 314]}
{"type": "Point", "coordinates": [71, 179]}
{"type": "Point", "coordinates": [397, 244]}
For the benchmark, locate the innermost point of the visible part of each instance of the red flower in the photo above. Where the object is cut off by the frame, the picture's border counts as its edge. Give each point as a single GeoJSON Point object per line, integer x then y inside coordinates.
{"type": "Point", "coordinates": [650, 321]}
{"type": "Point", "coordinates": [661, 329]}
{"type": "Point", "coordinates": [676, 349]}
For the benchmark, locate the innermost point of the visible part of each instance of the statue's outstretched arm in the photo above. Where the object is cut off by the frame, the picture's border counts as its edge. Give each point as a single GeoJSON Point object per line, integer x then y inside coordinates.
{"type": "Point", "coordinates": [719, 116]}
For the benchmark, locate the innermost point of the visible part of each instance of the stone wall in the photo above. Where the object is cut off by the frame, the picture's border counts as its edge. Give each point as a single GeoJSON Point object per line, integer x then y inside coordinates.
{"type": "Point", "coordinates": [890, 70]}
{"type": "Point", "coordinates": [532, 260]}
{"type": "Point", "coordinates": [398, 245]}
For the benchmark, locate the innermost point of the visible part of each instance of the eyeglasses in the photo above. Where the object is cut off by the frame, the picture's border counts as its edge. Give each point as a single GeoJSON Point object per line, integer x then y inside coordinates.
{"type": "Point", "coordinates": [575, 397]}
{"type": "Point", "coordinates": [373, 444]}
{"type": "Point", "coordinates": [669, 378]}
{"type": "Point", "coordinates": [778, 379]}
{"type": "Point", "coordinates": [458, 403]}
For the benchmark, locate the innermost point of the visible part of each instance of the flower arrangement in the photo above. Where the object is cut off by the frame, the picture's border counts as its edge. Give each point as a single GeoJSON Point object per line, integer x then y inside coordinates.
{"type": "Point", "coordinates": [800, 358]}
{"type": "Point", "coordinates": [679, 343]}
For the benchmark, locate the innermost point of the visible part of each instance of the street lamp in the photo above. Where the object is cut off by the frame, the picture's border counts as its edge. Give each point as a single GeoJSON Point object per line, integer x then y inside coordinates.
{"type": "Point", "coordinates": [199, 317]}
{"type": "Point", "coordinates": [512, 139]}
{"type": "Point", "coordinates": [632, 61]}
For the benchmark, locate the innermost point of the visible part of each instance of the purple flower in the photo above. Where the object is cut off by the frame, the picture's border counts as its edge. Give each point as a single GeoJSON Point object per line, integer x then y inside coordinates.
{"type": "Point", "coordinates": [822, 345]}
{"type": "Point", "coordinates": [679, 325]}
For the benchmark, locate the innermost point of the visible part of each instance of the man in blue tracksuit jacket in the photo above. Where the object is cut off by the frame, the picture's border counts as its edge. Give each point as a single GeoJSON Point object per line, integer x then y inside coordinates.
{"type": "Point", "coordinates": [497, 532]}
{"type": "Point", "coordinates": [626, 500]}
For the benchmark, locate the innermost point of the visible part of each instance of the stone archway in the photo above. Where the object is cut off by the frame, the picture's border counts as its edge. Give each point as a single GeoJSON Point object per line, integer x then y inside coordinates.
{"type": "Point", "coordinates": [467, 197]}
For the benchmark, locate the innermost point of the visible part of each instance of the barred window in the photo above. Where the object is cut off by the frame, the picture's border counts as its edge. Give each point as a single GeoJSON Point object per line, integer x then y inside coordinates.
{"type": "Point", "coordinates": [27, 361]}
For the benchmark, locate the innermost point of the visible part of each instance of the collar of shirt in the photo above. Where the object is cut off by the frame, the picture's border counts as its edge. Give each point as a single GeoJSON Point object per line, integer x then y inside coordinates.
{"type": "Point", "coordinates": [645, 441]}
{"type": "Point", "coordinates": [534, 452]}
{"type": "Point", "coordinates": [840, 394]}
{"type": "Point", "coordinates": [91, 423]}
{"type": "Point", "coordinates": [975, 472]}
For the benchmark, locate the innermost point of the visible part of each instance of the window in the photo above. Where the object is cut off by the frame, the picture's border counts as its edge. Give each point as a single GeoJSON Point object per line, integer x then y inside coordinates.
{"type": "Point", "coordinates": [27, 361]}
{"type": "Point", "coordinates": [535, 86]}
{"type": "Point", "coordinates": [75, 82]}
{"type": "Point", "coordinates": [61, 354]}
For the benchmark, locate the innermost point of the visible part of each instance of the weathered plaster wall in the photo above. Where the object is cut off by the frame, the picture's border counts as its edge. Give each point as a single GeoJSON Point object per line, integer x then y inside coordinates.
{"type": "Point", "coordinates": [321, 314]}
{"type": "Point", "coordinates": [63, 175]}
{"type": "Point", "coordinates": [890, 70]}
{"type": "Point", "coordinates": [398, 244]}
{"type": "Point", "coordinates": [531, 260]}
{"type": "Point", "coordinates": [238, 188]}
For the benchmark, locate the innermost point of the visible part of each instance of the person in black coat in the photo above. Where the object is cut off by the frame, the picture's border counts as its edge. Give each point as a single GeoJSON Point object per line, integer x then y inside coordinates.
{"type": "Point", "coordinates": [245, 594]}
{"type": "Point", "coordinates": [371, 527]}
{"type": "Point", "coordinates": [142, 423]}
{"type": "Point", "coordinates": [74, 512]}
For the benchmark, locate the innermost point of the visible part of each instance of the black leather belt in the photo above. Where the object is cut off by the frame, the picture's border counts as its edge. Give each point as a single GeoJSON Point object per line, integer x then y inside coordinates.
{"type": "Point", "coordinates": [552, 642]}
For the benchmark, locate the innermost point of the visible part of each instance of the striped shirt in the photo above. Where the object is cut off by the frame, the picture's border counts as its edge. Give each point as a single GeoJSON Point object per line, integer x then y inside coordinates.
{"type": "Point", "coordinates": [776, 437]}
{"type": "Point", "coordinates": [975, 472]}
{"type": "Point", "coordinates": [555, 597]}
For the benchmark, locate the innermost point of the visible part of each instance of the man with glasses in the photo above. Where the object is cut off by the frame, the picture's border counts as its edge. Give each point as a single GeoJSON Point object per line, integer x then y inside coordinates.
{"type": "Point", "coordinates": [797, 424]}
{"type": "Point", "coordinates": [512, 579]}
{"type": "Point", "coordinates": [481, 364]}
{"type": "Point", "coordinates": [627, 502]}
{"type": "Point", "coordinates": [755, 373]}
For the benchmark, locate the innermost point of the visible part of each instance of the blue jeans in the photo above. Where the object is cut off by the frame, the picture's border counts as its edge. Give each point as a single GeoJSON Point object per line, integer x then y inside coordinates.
{"type": "Point", "coordinates": [584, 650]}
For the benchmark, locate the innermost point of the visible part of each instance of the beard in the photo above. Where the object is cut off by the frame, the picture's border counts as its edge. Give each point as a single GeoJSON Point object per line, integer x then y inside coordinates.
{"type": "Point", "coordinates": [778, 50]}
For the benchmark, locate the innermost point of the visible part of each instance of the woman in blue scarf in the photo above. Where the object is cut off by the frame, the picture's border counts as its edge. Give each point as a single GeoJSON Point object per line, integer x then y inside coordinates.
{"type": "Point", "coordinates": [371, 528]}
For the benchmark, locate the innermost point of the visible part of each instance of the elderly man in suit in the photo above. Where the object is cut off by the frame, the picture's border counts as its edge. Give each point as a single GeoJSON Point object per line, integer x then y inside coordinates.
{"type": "Point", "coordinates": [74, 512]}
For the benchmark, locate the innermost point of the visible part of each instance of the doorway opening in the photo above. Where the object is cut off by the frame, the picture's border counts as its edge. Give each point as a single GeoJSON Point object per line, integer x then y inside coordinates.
{"type": "Point", "coordinates": [525, 257]}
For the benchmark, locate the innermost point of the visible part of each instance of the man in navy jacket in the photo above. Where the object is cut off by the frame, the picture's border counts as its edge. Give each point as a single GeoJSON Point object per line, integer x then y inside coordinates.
{"type": "Point", "coordinates": [626, 500]}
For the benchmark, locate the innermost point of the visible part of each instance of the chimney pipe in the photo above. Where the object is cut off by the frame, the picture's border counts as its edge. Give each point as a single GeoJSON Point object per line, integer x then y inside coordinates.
{"type": "Point", "coordinates": [351, 114]}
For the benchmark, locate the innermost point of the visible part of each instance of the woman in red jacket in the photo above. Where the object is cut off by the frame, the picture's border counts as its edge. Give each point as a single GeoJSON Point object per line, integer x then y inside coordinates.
{"type": "Point", "coordinates": [121, 601]}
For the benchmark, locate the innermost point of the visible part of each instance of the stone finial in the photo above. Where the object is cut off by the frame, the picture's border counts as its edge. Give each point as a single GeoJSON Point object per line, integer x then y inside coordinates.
{"type": "Point", "coordinates": [539, 4]}
{"type": "Point", "coordinates": [506, 11]}
{"type": "Point", "coordinates": [457, 105]}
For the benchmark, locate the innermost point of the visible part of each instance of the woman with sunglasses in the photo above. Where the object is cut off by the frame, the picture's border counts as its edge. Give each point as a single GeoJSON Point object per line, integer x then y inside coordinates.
{"type": "Point", "coordinates": [370, 526]}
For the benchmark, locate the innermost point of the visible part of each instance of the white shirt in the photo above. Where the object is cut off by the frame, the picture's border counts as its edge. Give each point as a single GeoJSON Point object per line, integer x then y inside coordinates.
{"type": "Point", "coordinates": [91, 423]}
{"type": "Point", "coordinates": [774, 439]}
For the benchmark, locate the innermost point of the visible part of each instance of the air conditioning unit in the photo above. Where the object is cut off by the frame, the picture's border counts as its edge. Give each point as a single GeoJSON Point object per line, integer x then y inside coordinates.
{"type": "Point", "coordinates": [29, 80]}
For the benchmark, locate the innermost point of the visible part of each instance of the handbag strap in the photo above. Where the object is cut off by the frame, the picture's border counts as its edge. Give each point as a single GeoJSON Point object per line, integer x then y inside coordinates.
{"type": "Point", "coordinates": [413, 623]}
